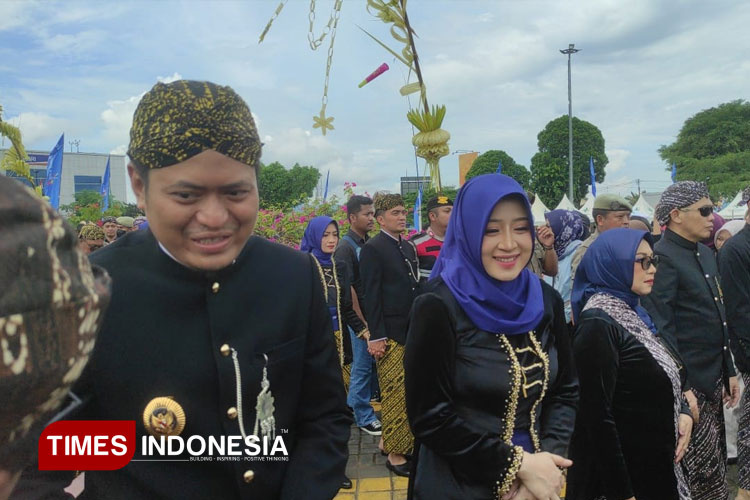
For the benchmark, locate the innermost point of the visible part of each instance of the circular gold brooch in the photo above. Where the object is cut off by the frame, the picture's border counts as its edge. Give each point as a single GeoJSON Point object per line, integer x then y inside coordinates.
{"type": "Point", "coordinates": [164, 416]}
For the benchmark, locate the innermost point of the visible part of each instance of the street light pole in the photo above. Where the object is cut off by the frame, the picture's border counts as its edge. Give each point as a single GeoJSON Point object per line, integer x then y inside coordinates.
{"type": "Point", "coordinates": [570, 50]}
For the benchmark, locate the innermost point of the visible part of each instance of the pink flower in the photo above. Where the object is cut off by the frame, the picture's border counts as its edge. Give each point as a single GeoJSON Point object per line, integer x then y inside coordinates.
{"type": "Point", "coordinates": [354, 184]}
{"type": "Point", "coordinates": [303, 218]}
{"type": "Point", "coordinates": [343, 207]}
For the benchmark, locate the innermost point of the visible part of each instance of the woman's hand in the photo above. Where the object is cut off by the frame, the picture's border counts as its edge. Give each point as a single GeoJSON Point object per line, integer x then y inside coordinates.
{"type": "Point", "coordinates": [693, 404]}
{"type": "Point", "coordinates": [541, 474]}
{"type": "Point", "coordinates": [685, 428]}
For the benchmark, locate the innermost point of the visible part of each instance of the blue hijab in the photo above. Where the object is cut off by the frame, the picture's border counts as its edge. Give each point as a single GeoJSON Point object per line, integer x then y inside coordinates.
{"type": "Point", "coordinates": [311, 241]}
{"type": "Point", "coordinates": [607, 267]}
{"type": "Point", "coordinates": [508, 307]}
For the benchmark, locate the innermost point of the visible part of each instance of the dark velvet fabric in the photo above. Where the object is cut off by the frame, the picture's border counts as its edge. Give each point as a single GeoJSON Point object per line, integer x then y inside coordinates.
{"type": "Point", "coordinates": [162, 336]}
{"type": "Point", "coordinates": [687, 307]}
{"type": "Point", "coordinates": [624, 442]}
{"type": "Point", "coordinates": [458, 379]}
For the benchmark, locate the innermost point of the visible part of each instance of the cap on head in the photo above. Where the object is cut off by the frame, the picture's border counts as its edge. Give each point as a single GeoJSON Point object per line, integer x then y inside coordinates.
{"type": "Point", "coordinates": [439, 201]}
{"type": "Point", "coordinates": [125, 221]}
{"type": "Point", "coordinates": [679, 195]}
{"type": "Point", "coordinates": [612, 203]}
{"type": "Point", "coordinates": [91, 232]}
{"type": "Point", "coordinates": [51, 306]}
{"type": "Point", "coordinates": [386, 201]}
{"type": "Point", "coordinates": [176, 121]}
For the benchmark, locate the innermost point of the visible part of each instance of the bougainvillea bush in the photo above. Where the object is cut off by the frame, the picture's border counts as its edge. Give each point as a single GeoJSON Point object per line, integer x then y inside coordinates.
{"type": "Point", "coordinates": [288, 226]}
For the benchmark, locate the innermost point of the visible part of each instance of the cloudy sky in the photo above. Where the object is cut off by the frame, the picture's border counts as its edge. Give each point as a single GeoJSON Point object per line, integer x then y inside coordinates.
{"type": "Point", "coordinates": [645, 66]}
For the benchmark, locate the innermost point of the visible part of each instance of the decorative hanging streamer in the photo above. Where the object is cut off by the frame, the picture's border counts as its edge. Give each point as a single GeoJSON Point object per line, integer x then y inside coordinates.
{"type": "Point", "coordinates": [320, 121]}
{"type": "Point", "coordinates": [432, 141]}
{"type": "Point", "coordinates": [379, 71]}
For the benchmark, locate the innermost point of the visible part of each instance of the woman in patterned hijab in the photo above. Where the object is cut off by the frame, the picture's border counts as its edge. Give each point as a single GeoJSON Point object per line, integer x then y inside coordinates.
{"type": "Point", "coordinates": [569, 229]}
{"type": "Point", "coordinates": [633, 425]}
{"type": "Point", "coordinates": [51, 306]}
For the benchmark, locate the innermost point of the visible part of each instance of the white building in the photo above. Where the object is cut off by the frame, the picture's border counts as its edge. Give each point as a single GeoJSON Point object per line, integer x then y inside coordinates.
{"type": "Point", "coordinates": [80, 172]}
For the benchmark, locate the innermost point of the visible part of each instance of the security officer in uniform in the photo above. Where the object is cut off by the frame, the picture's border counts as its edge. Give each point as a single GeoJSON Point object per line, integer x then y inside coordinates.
{"type": "Point", "coordinates": [211, 332]}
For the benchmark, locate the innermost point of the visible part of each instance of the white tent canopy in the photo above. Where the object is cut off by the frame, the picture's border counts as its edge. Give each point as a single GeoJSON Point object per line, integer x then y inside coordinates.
{"type": "Point", "coordinates": [588, 208]}
{"type": "Point", "coordinates": [566, 204]}
{"type": "Point", "coordinates": [538, 210]}
{"type": "Point", "coordinates": [643, 207]}
{"type": "Point", "coordinates": [734, 210]}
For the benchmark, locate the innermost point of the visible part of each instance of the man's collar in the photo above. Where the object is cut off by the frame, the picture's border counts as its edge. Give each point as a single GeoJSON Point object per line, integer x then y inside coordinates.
{"type": "Point", "coordinates": [433, 235]}
{"type": "Point", "coordinates": [679, 240]}
{"type": "Point", "coordinates": [356, 237]}
{"type": "Point", "coordinates": [398, 240]}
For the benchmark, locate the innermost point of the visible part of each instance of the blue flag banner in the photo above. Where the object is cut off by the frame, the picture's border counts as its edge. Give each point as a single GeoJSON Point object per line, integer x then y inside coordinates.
{"type": "Point", "coordinates": [499, 167]}
{"type": "Point", "coordinates": [418, 211]}
{"type": "Point", "coordinates": [325, 192]}
{"type": "Point", "coordinates": [104, 191]}
{"type": "Point", "coordinates": [593, 176]}
{"type": "Point", "coordinates": [51, 188]}
{"type": "Point", "coordinates": [674, 173]}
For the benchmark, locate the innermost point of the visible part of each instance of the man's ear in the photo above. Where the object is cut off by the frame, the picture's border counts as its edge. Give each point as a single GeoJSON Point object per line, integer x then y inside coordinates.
{"type": "Point", "coordinates": [675, 216]}
{"type": "Point", "coordinates": [138, 184]}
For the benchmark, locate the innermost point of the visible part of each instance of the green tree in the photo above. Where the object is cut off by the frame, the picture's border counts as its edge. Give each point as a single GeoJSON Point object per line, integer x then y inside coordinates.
{"type": "Point", "coordinates": [714, 146]}
{"type": "Point", "coordinates": [282, 188]}
{"type": "Point", "coordinates": [87, 207]}
{"type": "Point", "coordinates": [549, 167]}
{"type": "Point", "coordinates": [487, 163]}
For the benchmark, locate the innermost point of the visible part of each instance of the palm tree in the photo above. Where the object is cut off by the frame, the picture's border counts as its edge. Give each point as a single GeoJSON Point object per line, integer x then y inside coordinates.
{"type": "Point", "coordinates": [15, 158]}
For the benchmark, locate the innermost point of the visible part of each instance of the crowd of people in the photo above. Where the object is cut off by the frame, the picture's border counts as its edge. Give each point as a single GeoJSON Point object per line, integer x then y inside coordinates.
{"type": "Point", "coordinates": [512, 358]}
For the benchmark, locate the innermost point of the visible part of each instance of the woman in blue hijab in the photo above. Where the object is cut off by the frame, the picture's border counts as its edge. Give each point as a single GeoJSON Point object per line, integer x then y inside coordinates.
{"type": "Point", "coordinates": [320, 239]}
{"type": "Point", "coordinates": [633, 424]}
{"type": "Point", "coordinates": [491, 392]}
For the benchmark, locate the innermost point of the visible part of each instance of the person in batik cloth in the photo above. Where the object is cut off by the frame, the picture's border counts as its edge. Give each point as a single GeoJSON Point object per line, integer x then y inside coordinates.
{"type": "Point", "coordinates": [52, 302]}
{"type": "Point", "coordinates": [634, 424]}
{"type": "Point", "coordinates": [687, 307]}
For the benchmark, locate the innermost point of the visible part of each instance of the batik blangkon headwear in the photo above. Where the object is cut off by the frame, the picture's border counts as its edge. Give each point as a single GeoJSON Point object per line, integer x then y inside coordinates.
{"type": "Point", "coordinates": [679, 195]}
{"type": "Point", "coordinates": [507, 307]}
{"type": "Point", "coordinates": [52, 303]}
{"type": "Point", "coordinates": [608, 267]}
{"type": "Point", "coordinates": [386, 201]}
{"type": "Point", "coordinates": [311, 240]}
{"type": "Point", "coordinates": [568, 226]}
{"type": "Point", "coordinates": [176, 121]}
{"type": "Point", "coordinates": [109, 218]}
{"type": "Point", "coordinates": [91, 232]}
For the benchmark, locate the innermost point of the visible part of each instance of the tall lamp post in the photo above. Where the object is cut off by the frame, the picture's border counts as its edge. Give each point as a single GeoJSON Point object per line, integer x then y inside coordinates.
{"type": "Point", "coordinates": [570, 50]}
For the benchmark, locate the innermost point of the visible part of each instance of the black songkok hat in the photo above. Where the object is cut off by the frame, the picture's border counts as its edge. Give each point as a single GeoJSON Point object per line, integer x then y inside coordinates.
{"type": "Point", "coordinates": [439, 201]}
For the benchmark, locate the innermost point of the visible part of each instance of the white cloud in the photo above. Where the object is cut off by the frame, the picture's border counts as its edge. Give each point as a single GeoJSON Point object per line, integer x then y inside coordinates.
{"type": "Point", "coordinates": [617, 160]}
{"type": "Point", "coordinates": [37, 127]}
{"type": "Point", "coordinates": [118, 117]}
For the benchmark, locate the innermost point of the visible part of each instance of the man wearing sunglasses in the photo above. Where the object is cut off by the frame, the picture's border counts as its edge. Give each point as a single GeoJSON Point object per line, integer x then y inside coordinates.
{"type": "Point", "coordinates": [687, 306]}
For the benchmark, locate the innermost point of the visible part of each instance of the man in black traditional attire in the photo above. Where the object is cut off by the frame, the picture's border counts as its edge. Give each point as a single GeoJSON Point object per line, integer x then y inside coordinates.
{"type": "Point", "coordinates": [734, 264]}
{"type": "Point", "coordinates": [211, 332]}
{"type": "Point", "coordinates": [686, 304]}
{"type": "Point", "coordinates": [390, 276]}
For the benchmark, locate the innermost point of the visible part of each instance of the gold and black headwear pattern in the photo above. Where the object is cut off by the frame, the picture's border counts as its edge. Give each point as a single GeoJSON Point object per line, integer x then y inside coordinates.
{"type": "Point", "coordinates": [176, 121]}
{"type": "Point", "coordinates": [91, 232]}
{"type": "Point", "coordinates": [386, 201]}
{"type": "Point", "coordinates": [52, 302]}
